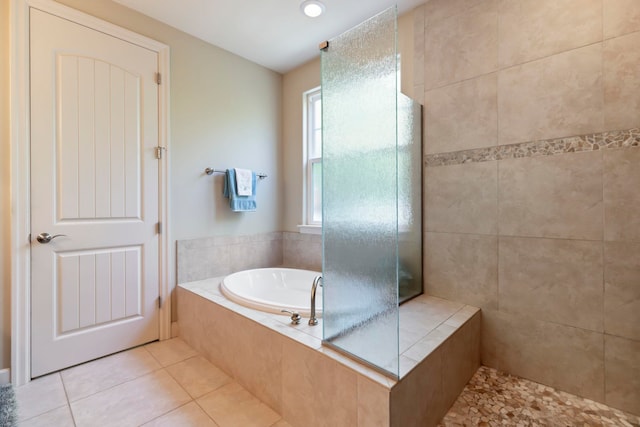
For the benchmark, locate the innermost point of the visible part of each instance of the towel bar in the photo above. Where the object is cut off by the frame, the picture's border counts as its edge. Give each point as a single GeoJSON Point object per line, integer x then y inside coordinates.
{"type": "Point", "coordinates": [211, 171]}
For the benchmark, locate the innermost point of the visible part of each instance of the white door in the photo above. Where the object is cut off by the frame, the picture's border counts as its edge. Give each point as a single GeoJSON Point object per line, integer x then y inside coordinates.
{"type": "Point", "coordinates": [94, 182]}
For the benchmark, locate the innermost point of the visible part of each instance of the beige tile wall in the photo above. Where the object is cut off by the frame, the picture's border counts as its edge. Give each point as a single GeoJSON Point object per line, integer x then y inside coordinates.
{"type": "Point", "coordinates": [221, 255]}
{"type": "Point", "coordinates": [558, 95]}
{"type": "Point", "coordinates": [202, 258]}
{"type": "Point", "coordinates": [302, 251]}
{"type": "Point", "coordinates": [547, 245]}
{"type": "Point", "coordinates": [463, 115]}
{"type": "Point", "coordinates": [552, 196]}
{"type": "Point", "coordinates": [218, 256]}
{"type": "Point", "coordinates": [310, 385]}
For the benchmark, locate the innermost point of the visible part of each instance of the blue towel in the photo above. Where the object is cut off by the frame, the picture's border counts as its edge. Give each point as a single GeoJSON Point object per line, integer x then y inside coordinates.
{"type": "Point", "coordinates": [239, 203]}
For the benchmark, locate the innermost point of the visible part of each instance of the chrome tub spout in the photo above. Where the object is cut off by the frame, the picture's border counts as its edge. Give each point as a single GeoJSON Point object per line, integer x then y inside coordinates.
{"type": "Point", "coordinates": [316, 282]}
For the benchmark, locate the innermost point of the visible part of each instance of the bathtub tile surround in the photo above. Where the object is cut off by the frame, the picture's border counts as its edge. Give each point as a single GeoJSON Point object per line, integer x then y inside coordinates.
{"type": "Point", "coordinates": [302, 251]}
{"type": "Point", "coordinates": [313, 380]}
{"type": "Point", "coordinates": [496, 398]}
{"type": "Point", "coordinates": [313, 385]}
{"type": "Point", "coordinates": [373, 403]}
{"type": "Point", "coordinates": [420, 396]}
{"type": "Point", "coordinates": [460, 360]}
{"type": "Point", "coordinates": [217, 256]}
{"type": "Point", "coordinates": [202, 258]}
{"type": "Point", "coordinates": [553, 192]}
{"type": "Point", "coordinates": [206, 330]}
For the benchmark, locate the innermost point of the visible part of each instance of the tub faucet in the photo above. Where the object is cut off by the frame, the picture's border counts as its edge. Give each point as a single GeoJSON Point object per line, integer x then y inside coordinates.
{"type": "Point", "coordinates": [316, 282]}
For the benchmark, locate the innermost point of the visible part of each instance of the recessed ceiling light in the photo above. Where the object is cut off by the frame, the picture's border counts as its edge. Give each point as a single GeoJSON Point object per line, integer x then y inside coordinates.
{"type": "Point", "coordinates": [312, 8]}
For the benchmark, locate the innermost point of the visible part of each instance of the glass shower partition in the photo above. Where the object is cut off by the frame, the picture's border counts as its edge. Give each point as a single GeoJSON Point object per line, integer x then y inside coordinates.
{"type": "Point", "coordinates": [360, 193]}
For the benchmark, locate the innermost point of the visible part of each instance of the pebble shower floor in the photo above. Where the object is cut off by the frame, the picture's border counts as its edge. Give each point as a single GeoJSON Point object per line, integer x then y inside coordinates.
{"type": "Point", "coordinates": [494, 398]}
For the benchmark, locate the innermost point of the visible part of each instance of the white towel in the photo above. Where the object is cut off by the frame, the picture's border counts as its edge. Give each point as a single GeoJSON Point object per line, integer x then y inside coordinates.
{"type": "Point", "coordinates": [244, 182]}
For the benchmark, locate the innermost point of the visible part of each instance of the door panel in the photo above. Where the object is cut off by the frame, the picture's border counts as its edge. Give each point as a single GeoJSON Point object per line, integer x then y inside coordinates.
{"type": "Point", "coordinates": [117, 192]}
{"type": "Point", "coordinates": [116, 296]}
{"type": "Point", "coordinates": [94, 181]}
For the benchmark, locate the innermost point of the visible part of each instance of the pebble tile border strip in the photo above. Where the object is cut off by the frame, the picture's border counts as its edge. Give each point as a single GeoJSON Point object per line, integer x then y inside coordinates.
{"type": "Point", "coordinates": [493, 398]}
{"type": "Point", "coordinates": [548, 147]}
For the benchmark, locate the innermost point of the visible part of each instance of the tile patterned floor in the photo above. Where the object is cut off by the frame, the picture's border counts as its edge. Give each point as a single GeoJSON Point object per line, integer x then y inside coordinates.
{"type": "Point", "coordinates": [493, 398]}
{"type": "Point", "coordinates": [160, 384]}
{"type": "Point", "coordinates": [167, 384]}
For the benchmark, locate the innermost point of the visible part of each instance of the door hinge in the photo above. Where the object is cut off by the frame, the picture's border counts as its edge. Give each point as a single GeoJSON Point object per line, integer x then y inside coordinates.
{"type": "Point", "coordinates": [159, 151]}
{"type": "Point", "coordinates": [159, 227]}
{"type": "Point", "coordinates": [159, 302]}
{"type": "Point", "coordinates": [158, 78]}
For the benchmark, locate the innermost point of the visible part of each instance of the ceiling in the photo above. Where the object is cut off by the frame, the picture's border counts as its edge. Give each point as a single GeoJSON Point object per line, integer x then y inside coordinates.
{"type": "Point", "coordinates": [272, 33]}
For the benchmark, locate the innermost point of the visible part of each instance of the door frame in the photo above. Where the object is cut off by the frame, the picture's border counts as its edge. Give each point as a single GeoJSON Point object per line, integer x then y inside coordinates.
{"type": "Point", "coordinates": [20, 156]}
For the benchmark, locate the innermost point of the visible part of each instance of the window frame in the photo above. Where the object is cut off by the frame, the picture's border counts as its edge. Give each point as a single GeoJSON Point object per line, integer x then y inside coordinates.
{"type": "Point", "coordinates": [309, 135]}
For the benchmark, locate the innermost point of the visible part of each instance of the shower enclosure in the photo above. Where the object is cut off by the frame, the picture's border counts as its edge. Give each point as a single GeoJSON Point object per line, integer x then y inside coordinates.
{"type": "Point", "coordinates": [372, 196]}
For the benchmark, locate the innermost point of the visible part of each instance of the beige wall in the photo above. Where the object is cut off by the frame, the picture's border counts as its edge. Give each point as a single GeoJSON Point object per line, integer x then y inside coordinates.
{"type": "Point", "coordinates": [5, 272]}
{"type": "Point", "coordinates": [302, 79]}
{"type": "Point", "coordinates": [544, 235]}
{"type": "Point", "coordinates": [225, 112]}
{"type": "Point", "coordinates": [294, 84]}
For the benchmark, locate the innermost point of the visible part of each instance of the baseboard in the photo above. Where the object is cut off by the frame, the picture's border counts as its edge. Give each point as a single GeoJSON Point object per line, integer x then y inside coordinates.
{"type": "Point", "coordinates": [5, 376]}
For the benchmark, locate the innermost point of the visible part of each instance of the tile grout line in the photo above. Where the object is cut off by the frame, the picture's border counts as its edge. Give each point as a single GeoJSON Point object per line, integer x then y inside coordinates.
{"type": "Point", "coordinates": [115, 385]}
{"type": "Point", "coordinates": [516, 236]}
{"type": "Point", "coordinates": [497, 239]}
{"type": "Point", "coordinates": [181, 388]}
{"type": "Point", "coordinates": [603, 211]}
{"type": "Point", "coordinates": [604, 267]}
{"type": "Point", "coordinates": [202, 408]}
{"type": "Point", "coordinates": [168, 412]}
{"type": "Point", "coordinates": [66, 395]}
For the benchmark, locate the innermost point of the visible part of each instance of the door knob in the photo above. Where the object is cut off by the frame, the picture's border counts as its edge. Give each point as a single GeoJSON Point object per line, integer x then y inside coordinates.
{"type": "Point", "coordinates": [46, 237]}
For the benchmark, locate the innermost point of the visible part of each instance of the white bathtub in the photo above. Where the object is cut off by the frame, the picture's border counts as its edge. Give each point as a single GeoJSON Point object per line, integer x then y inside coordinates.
{"type": "Point", "coordinates": [273, 289]}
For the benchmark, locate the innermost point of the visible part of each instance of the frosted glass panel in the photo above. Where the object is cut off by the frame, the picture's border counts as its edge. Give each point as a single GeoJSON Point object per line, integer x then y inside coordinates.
{"type": "Point", "coordinates": [409, 198]}
{"type": "Point", "coordinates": [360, 197]}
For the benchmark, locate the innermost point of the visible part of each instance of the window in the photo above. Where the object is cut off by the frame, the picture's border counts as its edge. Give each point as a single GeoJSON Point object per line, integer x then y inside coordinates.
{"type": "Point", "coordinates": [313, 157]}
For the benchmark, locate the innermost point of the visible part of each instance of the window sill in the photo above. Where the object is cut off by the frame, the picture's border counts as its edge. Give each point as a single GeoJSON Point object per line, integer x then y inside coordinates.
{"type": "Point", "coordinates": [310, 229]}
